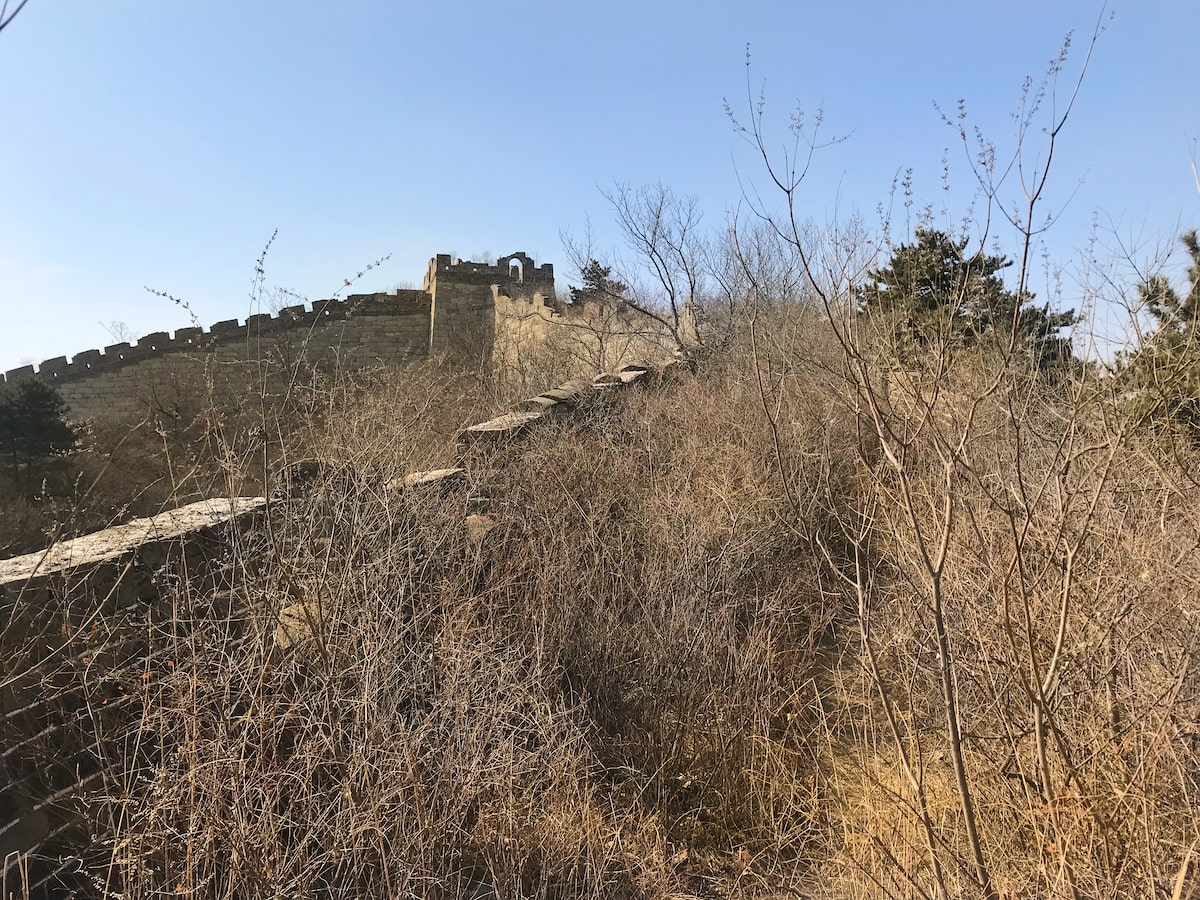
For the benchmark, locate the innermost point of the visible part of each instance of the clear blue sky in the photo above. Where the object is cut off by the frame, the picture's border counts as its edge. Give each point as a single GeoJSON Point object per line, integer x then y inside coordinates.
{"type": "Point", "coordinates": [160, 142]}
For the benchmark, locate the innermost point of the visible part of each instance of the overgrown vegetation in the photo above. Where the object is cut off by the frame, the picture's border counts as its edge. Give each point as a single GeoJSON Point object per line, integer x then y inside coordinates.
{"type": "Point", "coordinates": [936, 298]}
{"type": "Point", "coordinates": [888, 599]}
{"type": "Point", "coordinates": [1164, 372]}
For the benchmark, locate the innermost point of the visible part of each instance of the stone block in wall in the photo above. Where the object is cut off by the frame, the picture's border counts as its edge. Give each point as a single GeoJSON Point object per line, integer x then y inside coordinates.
{"type": "Point", "coordinates": [141, 351]}
{"type": "Point", "coordinates": [53, 368]}
{"type": "Point", "coordinates": [258, 322]}
{"type": "Point", "coordinates": [411, 295]}
{"type": "Point", "coordinates": [331, 310]}
{"type": "Point", "coordinates": [301, 320]}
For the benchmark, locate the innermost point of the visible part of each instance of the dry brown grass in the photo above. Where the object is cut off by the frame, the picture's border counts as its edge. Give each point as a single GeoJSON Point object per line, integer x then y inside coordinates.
{"type": "Point", "coordinates": [612, 695]}
{"type": "Point", "coordinates": [697, 657]}
{"type": "Point", "coordinates": [1023, 567]}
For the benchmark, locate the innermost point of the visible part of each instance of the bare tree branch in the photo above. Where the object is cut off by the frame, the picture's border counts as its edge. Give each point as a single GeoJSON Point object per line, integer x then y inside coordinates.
{"type": "Point", "coordinates": [6, 17]}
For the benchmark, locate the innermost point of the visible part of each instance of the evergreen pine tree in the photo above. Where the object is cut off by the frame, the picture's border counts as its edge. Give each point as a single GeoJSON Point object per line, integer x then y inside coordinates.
{"type": "Point", "coordinates": [933, 294]}
{"type": "Point", "coordinates": [598, 285]}
{"type": "Point", "coordinates": [1164, 374]}
{"type": "Point", "coordinates": [33, 426]}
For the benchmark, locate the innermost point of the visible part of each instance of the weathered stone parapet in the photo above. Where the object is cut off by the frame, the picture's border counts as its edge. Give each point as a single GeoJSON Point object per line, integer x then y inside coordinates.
{"type": "Point", "coordinates": [516, 268]}
{"type": "Point", "coordinates": [113, 543]}
{"type": "Point", "coordinates": [88, 363]}
{"type": "Point", "coordinates": [557, 400]}
{"type": "Point", "coordinates": [75, 626]}
{"type": "Point", "coordinates": [502, 313]}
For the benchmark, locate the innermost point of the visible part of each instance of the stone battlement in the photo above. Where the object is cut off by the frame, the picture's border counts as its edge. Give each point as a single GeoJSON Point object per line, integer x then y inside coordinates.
{"type": "Point", "coordinates": [516, 268]}
{"type": "Point", "coordinates": [291, 318]}
{"type": "Point", "coordinates": [501, 313]}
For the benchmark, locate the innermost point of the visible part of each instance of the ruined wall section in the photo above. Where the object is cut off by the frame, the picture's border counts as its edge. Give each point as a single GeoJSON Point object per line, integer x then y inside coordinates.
{"type": "Point", "coordinates": [536, 332]}
{"type": "Point", "coordinates": [177, 375]}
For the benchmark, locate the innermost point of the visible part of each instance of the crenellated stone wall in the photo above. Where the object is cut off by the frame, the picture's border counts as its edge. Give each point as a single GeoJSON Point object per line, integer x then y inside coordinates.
{"type": "Point", "coordinates": [173, 376]}
{"type": "Point", "coordinates": [176, 377]}
{"type": "Point", "coordinates": [499, 313]}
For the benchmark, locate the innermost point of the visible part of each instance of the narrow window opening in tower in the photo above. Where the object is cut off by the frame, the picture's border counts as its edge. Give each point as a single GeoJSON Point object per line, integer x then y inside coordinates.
{"type": "Point", "coordinates": [516, 271]}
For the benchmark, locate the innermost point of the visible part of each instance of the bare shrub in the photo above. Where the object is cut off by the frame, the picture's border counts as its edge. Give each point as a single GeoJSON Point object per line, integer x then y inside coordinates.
{"type": "Point", "coordinates": [613, 693]}
{"type": "Point", "coordinates": [1013, 715]}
